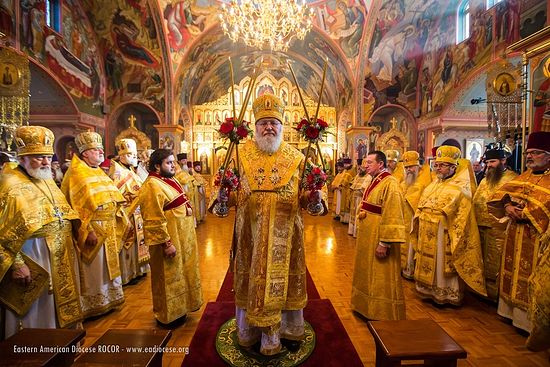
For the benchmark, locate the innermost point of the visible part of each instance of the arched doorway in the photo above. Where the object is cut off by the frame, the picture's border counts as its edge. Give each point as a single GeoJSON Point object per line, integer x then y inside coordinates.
{"type": "Point", "coordinates": [392, 116]}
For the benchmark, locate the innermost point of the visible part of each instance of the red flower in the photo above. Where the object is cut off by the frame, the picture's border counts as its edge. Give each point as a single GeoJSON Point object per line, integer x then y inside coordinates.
{"type": "Point", "coordinates": [312, 132]}
{"type": "Point", "coordinates": [242, 132]}
{"type": "Point", "coordinates": [322, 123]}
{"type": "Point", "coordinates": [302, 123]}
{"type": "Point", "coordinates": [316, 171]}
{"type": "Point", "coordinates": [226, 127]}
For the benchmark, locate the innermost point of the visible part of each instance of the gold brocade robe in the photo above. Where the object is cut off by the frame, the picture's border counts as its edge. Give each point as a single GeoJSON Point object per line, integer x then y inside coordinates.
{"type": "Point", "coordinates": [526, 241]}
{"type": "Point", "coordinates": [342, 181]}
{"type": "Point", "coordinates": [539, 306]}
{"type": "Point", "coordinates": [377, 292]}
{"type": "Point", "coordinates": [94, 196]}
{"type": "Point", "coordinates": [492, 233]}
{"type": "Point", "coordinates": [28, 209]}
{"type": "Point", "coordinates": [270, 267]}
{"type": "Point", "coordinates": [189, 185]}
{"type": "Point", "coordinates": [411, 197]}
{"type": "Point", "coordinates": [399, 172]}
{"type": "Point", "coordinates": [129, 223]}
{"type": "Point", "coordinates": [447, 205]}
{"type": "Point", "coordinates": [167, 215]}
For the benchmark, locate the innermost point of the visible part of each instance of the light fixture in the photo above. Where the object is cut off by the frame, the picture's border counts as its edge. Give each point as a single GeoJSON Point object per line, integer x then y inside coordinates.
{"type": "Point", "coordinates": [266, 23]}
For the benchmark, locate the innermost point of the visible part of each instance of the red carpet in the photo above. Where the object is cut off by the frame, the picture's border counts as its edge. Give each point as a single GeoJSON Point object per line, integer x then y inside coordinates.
{"type": "Point", "coordinates": [333, 347]}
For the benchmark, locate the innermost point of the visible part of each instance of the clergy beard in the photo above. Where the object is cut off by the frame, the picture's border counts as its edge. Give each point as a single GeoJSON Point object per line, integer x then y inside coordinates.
{"type": "Point", "coordinates": [42, 173]}
{"type": "Point", "coordinates": [185, 168]}
{"type": "Point", "coordinates": [57, 174]}
{"type": "Point", "coordinates": [410, 178]}
{"type": "Point", "coordinates": [132, 162]}
{"type": "Point", "coordinates": [269, 143]}
{"type": "Point", "coordinates": [165, 173]}
{"type": "Point", "coordinates": [493, 175]}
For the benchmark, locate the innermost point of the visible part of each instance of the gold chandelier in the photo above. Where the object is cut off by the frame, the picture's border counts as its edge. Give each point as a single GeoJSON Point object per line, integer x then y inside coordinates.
{"type": "Point", "coordinates": [266, 23]}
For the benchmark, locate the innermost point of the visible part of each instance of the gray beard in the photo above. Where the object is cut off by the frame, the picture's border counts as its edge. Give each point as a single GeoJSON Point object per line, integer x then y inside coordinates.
{"type": "Point", "coordinates": [40, 173]}
{"type": "Point", "coordinates": [269, 144]}
{"type": "Point", "coordinates": [410, 179]}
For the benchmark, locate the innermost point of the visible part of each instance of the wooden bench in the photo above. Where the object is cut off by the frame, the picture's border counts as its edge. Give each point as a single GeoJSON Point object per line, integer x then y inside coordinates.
{"type": "Point", "coordinates": [40, 347]}
{"type": "Point", "coordinates": [414, 340]}
{"type": "Point", "coordinates": [121, 347]}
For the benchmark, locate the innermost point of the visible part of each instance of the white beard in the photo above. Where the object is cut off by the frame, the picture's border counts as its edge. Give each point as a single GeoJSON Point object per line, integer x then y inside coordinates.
{"type": "Point", "coordinates": [40, 173]}
{"type": "Point", "coordinates": [269, 144]}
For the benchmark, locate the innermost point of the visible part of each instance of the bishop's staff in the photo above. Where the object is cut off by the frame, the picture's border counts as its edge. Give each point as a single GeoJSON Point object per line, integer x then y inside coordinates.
{"type": "Point", "coordinates": [312, 129]}
{"type": "Point", "coordinates": [235, 130]}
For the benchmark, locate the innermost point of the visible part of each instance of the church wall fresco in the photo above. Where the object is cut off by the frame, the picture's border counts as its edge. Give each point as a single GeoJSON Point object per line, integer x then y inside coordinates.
{"type": "Point", "coordinates": [413, 58]}
{"type": "Point", "coordinates": [72, 56]}
{"type": "Point", "coordinates": [128, 41]}
{"type": "Point", "coordinates": [7, 19]}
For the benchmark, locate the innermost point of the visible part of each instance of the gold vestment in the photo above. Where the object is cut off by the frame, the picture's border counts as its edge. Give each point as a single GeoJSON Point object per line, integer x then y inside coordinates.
{"type": "Point", "coordinates": [445, 213]}
{"type": "Point", "coordinates": [36, 208]}
{"type": "Point", "coordinates": [527, 240]}
{"type": "Point", "coordinates": [377, 292]}
{"type": "Point", "coordinates": [94, 196]}
{"type": "Point", "coordinates": [270, 268]}
{"type": "Point", "coordinates": [411, 196]}
{"type": "Point", "coordinates": [129, 224]}
{"type": "Point", "coordinates": [342, 182]}
{"type": "Point", "coordinates": [492, 233]}
{"type": "Point", "coordinates": [167, 216]}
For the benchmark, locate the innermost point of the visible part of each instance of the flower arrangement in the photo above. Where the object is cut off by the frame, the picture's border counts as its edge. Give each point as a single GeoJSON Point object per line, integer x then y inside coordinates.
{"type": "Point", "coordinates": [235, 133]}
{"type": "Point", "coordinates": [230, 181]}
{"type": "Point", "coordinates": [315, 178]}
{"type": "Point", "coordinates": [313, 131]}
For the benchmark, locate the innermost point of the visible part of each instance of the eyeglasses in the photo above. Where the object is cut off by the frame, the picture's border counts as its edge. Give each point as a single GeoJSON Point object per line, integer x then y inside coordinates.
{"type": "Point", "coordinates": [271, 123]}
{"type": "Point", "coordinates": [535, 152]}
{"type": "Point", "coordinates": [441, 165]}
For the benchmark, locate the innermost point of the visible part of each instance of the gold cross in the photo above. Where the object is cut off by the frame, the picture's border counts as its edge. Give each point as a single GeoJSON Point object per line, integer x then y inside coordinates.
{"type": "Point", "coordinates": [132, 120]}
{"type": "Point", "coordinates": [393, 122]}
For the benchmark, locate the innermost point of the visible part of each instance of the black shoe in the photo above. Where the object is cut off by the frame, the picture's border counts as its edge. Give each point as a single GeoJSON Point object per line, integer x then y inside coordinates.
{"type": "Point", "coordinates": [336, 218]}
{"type": "Point", "coordinates": [292, 345]}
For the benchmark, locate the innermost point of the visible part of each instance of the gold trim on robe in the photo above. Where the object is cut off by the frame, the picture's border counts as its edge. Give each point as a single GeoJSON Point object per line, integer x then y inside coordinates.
{"type": "Point", "coordinates": [448, 203]}
{"type": "Point", "coordinates": [175, 282]}
{"type": "Point", "coordinates": [95, 197]}
{"type": "Point", "coordinates": [522, 249]}
{"type": "Point", "coordinates": [270, 261]}
{"type": "Point", "coordinates": [20, 221]}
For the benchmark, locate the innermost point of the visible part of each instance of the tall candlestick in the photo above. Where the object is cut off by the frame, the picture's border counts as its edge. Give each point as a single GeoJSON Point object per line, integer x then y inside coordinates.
{"type": "Point", "coordinates": [299, 91]}
{"type": "Point", "coordinates": [321, 92]}
{"type": "Point", "coordinates": [232, 87]}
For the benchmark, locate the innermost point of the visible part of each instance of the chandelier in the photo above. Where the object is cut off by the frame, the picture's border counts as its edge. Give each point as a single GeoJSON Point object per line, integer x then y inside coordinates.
{"type": "Point", "coordinates": [266, 23]}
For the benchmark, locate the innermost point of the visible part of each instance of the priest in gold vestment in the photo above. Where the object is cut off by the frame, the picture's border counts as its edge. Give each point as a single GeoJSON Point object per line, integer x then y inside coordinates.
{"type": "Point", "coordinates": [35, 231]}
{"type": "Point", "coordinates": [492, 233]}
{"type": "Point", "coordinates": [188, 182]}
{"type": "Point", "coordinates": [395, 167]}
{"type": "Point", "coordinates": [416, 180]}
{"type": "Point", "coordinates": [134, 254]}
{"type": "Point", "coordinates": [96, 199]}
{"type": "Point", "coordinates": [269, 261]}
{"type": "Point", "coordinates": [358, 186]}
{"type": "Point", "coordinates": [169, 228]}
{"type": "Point", "coordinates": [448, 251]}
{"type": "Point", "coordinates": [341, 192]}
{"type": "Point", "coordinates": [525, 203]}
{"type": "Point", "coordinates": [377, 292]}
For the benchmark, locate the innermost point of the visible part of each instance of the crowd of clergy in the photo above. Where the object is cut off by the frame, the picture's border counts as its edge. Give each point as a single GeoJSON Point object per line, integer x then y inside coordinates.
{"type": "Point", "coordinates": [73, 235]}
{"type": "Point", "coordinates": [450, 226]}
{"type": "Point", "coordinates": [437, 223]}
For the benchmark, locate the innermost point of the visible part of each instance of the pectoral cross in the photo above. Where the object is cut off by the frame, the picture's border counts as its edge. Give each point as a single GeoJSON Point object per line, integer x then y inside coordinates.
{"type": "Point", "coordinates": [57, 213]}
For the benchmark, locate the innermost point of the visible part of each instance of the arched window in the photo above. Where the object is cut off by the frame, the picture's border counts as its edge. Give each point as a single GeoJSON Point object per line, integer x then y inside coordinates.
{"type": "Point", "coordinates": [491, 3]}
{"type": "Point", "coordinates": [463, 21]}
{"type": "Point", "coordinates": [53, 14]}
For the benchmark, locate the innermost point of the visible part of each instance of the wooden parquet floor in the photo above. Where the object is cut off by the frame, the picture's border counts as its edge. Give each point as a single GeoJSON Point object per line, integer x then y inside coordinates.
{"type": "Point", "coordinates": [330, 252]}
